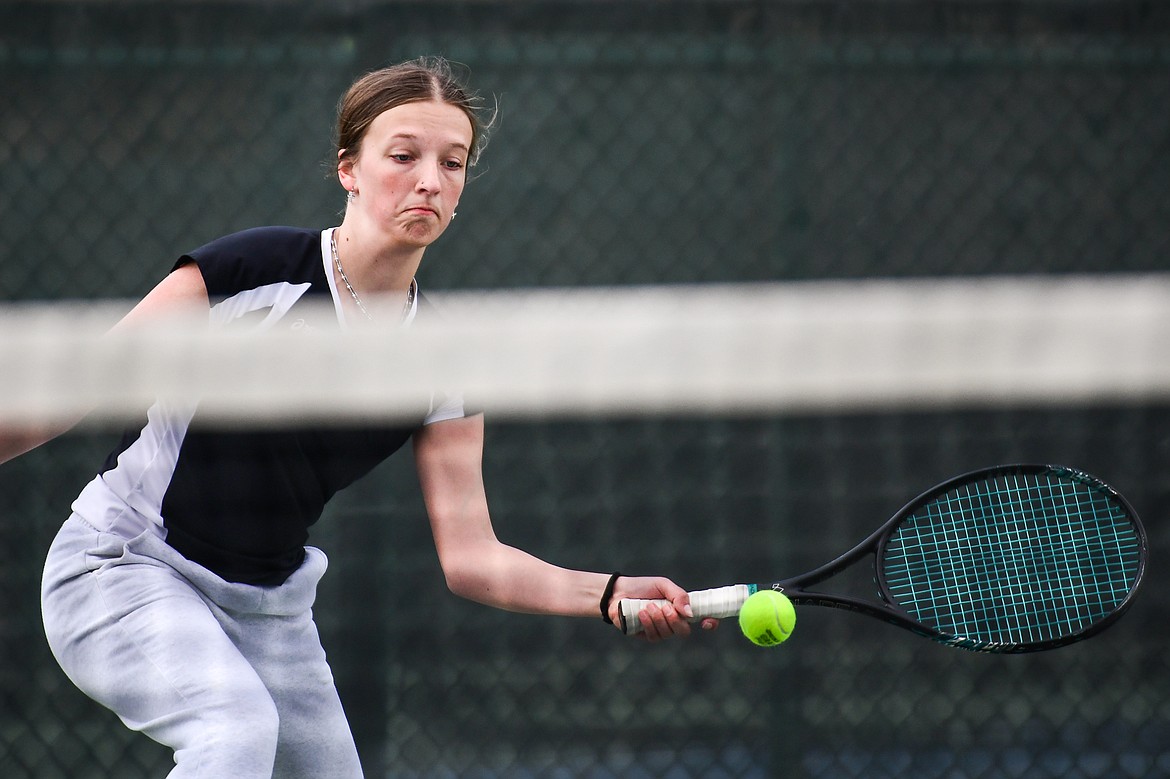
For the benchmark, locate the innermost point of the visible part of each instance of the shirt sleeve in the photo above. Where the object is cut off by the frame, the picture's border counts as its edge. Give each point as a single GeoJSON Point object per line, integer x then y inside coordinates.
{"type": "Point", "coordinates": [254, 258]}
{"type": "Point", "coordinates": [449, 404]}
{"type": "Point", "coordinates": [446, 406]}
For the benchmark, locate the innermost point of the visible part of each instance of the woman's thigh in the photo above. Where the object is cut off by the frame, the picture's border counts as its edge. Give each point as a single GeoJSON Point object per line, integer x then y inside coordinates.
{"type": "Point", "coordinates": [315, 738]}
{"type": "Point", "coordinates": [220, 685]}
{"type": "Point", "coordinates": [139, 640]}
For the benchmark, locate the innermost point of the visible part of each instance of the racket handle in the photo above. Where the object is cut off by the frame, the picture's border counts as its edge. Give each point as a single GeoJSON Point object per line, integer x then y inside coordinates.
{"type": "Point", "coordinates": [718, 603]}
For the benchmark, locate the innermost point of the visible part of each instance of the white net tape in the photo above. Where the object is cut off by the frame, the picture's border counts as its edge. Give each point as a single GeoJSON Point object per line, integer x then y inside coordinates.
{"type": "Point", "coordinates": [777, 348]}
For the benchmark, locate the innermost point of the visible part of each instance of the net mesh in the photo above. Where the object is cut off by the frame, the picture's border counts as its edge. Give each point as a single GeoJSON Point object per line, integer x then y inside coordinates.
{"type": "Point", "coordinates": [1018, 150]}
{"type": "Point", "coordinates": [707, 495]}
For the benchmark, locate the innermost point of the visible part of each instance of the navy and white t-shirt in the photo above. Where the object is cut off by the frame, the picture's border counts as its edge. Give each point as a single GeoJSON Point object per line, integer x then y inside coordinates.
{"type": "Point", "coordinates": [239, 501]}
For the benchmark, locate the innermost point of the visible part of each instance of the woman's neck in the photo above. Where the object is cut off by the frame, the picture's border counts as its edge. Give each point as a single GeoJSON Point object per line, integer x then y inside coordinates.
{"type": "Point", "coordinates": [373, 267]}
{"type": "Point", "coordinates": [378, 289]}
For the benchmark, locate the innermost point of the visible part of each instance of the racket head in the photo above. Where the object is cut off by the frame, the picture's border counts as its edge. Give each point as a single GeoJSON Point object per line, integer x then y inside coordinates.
{"type": "Point", "coordinates": [1014, 558]}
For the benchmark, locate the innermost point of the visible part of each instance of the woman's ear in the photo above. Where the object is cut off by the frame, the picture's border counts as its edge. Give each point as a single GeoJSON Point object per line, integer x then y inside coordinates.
{"type": "Point", "coordinates": [345, 172]}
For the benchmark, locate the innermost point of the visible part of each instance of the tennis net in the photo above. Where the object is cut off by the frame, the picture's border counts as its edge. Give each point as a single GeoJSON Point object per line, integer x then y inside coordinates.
{"type": "Point", "coordinates": [713, 434]}
{"type": "Point", "coordinates": [783, 348]}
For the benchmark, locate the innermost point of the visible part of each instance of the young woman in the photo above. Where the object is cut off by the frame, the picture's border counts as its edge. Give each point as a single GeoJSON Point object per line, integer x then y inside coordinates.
{"type": "Point", "coordinates": [179, 593]}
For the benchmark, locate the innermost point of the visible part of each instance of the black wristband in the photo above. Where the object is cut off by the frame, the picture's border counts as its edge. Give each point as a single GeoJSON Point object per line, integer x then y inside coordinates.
{"type": "Point", "coordinates": [606, 596]}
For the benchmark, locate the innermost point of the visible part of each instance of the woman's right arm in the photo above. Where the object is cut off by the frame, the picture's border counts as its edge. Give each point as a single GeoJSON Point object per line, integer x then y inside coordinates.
{"type": "Point", "coordinates": [182, 289]}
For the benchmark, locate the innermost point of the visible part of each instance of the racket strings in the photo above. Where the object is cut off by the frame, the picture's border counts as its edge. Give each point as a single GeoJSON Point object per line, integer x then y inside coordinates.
{"type": "Point", "coordinates": [1016, 559]}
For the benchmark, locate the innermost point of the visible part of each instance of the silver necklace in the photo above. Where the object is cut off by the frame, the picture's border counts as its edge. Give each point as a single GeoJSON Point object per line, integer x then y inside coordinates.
{"type": "Point", "coordinates": [353, 293]}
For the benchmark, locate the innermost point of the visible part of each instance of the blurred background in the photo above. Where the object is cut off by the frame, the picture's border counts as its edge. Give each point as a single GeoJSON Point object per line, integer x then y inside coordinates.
{"type": "Point", "coordinates": [637, 143]}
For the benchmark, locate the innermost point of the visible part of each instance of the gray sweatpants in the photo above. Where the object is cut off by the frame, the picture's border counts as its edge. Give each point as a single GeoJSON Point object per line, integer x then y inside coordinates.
{"type": "Point", "coordinates": [231, 676]}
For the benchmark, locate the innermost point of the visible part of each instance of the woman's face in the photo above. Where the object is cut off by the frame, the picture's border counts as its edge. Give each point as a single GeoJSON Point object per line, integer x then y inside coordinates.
{"type": "Point", "coordinates": [410, 171]}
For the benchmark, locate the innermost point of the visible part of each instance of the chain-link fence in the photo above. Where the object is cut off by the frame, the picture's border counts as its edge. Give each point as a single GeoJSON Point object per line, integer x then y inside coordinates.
{"type": "Point", "coordinates": [637, 142]}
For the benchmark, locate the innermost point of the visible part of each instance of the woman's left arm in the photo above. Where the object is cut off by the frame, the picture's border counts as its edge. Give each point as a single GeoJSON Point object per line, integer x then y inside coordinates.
{"type": "Point", "coordinates": [477, 566]}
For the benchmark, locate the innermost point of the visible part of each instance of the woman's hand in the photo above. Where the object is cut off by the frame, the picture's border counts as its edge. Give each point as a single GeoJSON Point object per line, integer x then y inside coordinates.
{"type": "Point", "coordinates": [658, 622]}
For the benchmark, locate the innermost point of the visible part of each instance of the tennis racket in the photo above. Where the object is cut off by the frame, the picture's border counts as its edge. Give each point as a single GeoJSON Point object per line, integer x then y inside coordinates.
{"type": "Point", "coordinates": [1015, 558]}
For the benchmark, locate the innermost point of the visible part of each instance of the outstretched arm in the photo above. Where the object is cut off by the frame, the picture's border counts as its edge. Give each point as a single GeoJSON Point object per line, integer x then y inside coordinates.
{"type": "Point", "coordinates": [181, 289]}
{"type": "Point", "coordinates": [15, 441]}
{"type": "Point", "coordinates": [479, 567]}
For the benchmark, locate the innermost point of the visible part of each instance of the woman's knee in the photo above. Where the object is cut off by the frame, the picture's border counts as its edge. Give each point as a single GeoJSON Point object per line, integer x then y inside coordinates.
{"type": "Point", "coordinates": [237, 740]}
{"type": "Point", "coordinates": [254, 722]}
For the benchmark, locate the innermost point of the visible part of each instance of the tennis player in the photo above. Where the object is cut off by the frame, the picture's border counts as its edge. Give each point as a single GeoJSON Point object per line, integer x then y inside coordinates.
{"type": "Point", "coordinates": [179, 592]}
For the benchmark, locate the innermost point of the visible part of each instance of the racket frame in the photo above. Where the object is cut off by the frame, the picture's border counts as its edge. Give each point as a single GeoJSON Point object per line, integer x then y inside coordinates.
{"type": "Point", "coordinates": [886, 608]}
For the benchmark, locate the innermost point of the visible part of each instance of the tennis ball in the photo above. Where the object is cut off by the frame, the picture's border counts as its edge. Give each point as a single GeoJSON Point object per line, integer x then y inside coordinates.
{"type": "Point", "coordinates": [767, 618]}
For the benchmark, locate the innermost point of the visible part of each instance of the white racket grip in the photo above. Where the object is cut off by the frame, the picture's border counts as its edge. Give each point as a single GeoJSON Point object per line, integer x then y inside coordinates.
{"type": "Point", "coordinates": [718, 603]}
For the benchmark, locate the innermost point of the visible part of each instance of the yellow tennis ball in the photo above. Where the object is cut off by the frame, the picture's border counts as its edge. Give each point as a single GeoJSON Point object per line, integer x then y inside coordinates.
{"type": "Point", "coordinates": [767, 618]}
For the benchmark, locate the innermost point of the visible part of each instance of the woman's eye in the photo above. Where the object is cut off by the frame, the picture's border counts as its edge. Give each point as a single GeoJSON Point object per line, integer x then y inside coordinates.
{"type": "Point", "coordinates": [454, 165]}
{"type": "Point", "coordinates": [400, 157]}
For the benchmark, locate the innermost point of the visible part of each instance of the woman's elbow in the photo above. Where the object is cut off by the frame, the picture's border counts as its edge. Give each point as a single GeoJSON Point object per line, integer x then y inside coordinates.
{"type": "Point", "coordinates": [471, 576]}
{"type": "Point", "coordinates": [461, 583]}
{"type": "Point", "coordinates": [465, 579]}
